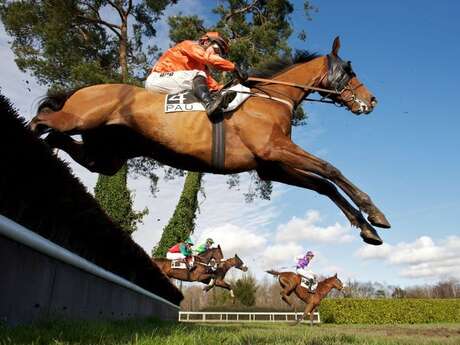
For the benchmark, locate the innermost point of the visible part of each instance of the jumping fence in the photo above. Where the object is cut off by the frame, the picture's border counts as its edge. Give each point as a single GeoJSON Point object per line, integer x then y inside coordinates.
{"type": "Point", "coordinates": [197, 316]}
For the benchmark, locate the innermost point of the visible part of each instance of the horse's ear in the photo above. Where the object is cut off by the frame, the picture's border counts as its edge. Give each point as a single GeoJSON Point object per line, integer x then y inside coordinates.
{"type": "Point", "coordinates": [335, 275]}
{"type": "Point", "coordinates": [336, 46]}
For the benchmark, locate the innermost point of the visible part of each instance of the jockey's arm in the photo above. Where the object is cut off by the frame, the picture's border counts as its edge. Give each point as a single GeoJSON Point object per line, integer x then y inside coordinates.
{"type": "Point", "coordinates": [213, 84]}
{"type": "Point", "coordinates": [183, 250]}
{"type": "Point", "coordinates": [199, 54]}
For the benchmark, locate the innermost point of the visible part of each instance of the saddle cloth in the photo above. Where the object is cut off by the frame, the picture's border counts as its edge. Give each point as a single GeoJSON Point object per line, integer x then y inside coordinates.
{"type": "Point", "coordinates": [186, 100]}
{"type": "Point", "coordinates": [178, 264]}
{"type": "Point", "coordinates": [305, 284]}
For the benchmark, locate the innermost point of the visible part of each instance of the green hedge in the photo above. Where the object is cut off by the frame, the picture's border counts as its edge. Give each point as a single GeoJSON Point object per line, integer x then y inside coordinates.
{"type": "Point", "coordinates": [389, 311]}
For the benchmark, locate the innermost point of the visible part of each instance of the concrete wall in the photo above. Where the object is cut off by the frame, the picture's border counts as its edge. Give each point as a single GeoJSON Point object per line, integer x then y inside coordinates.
{"type": "Point", "coordinates": [34, 285]}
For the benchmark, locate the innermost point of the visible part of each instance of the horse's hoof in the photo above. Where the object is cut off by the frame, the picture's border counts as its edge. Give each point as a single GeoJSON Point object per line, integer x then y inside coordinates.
{"type": "Point", "coordinates": [378, 219]}
{"type": "Point", "coordinates": [370, 236]}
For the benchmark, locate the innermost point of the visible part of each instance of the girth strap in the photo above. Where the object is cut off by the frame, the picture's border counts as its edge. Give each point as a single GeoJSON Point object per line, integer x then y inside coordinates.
{"type": "Point", "coordinates": [218, 142]}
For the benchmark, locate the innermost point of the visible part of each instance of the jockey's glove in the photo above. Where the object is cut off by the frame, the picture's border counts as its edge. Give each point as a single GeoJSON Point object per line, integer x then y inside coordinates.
{"type": "Point", "coordinates": [240, 74]}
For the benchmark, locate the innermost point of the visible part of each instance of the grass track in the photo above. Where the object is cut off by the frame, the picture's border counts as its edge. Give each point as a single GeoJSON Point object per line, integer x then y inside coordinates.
{"type": "Point", "coordinates": [152, 332]}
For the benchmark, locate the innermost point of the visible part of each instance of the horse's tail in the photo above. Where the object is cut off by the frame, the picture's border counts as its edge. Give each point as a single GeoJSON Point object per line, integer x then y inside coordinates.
{"type": "Point", "coordinates": [273, 273]}
{"type": "Point", "coordinates": [55, 100]}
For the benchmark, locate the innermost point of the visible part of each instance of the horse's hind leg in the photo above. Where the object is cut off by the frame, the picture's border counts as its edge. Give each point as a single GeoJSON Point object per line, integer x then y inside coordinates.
{"type": "Point", "coordinates": [283, 151]}
{"type": "Point", "coordinates": [307, 180]}
{"type": "Point", "coordinates": [286, 291]}
{"type": "Point", "coordinates": [60, 121]}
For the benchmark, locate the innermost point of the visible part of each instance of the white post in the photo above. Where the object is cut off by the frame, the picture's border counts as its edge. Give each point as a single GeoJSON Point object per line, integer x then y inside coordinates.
{"type": "Point", "coordinates": [204, 316]}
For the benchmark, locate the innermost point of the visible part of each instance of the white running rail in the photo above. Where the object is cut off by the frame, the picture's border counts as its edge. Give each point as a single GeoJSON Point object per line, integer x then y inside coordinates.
{"type": "Point", "coordinates": [18, 233]}
{"type": "Point", "coordinates": [198, 316]}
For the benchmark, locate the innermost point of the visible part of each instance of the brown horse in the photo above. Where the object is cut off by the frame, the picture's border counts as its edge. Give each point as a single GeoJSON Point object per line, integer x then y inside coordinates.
{"type": "Point", "coordinates": [212, 255]}
{"type": "Point", "coordinates": [118, 122]}
{"type": "Point", "coordinates": [290, 282]}
{"type": "Point", "coordinates": [202, 273]}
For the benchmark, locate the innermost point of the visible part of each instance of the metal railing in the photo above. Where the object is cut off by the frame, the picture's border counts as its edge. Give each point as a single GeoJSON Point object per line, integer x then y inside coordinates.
{"type": "Point", "coordinates": [198, 316]}
{"type": "Point", "coordinates": [19, 233]}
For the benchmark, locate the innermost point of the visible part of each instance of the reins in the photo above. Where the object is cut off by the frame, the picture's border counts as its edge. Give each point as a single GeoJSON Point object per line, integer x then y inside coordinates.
{"type": "Point", "coordinates": [304, 87]}
{"type": "Point", "coordinates": [301, 86]}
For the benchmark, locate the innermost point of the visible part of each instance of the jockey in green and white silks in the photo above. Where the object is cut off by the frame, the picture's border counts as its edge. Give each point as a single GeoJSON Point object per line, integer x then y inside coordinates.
{"type": "Point", "coordinates": [200, 249]}
{"type": "Point", "coordinates": [182, 251]}
{"type": "Point", "coordinates": [305, 272]}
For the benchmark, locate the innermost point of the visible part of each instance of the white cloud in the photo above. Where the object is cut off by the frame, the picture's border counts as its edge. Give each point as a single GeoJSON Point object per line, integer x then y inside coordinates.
{"type": "Point", "coordinates": [422, 258]}
{"type": "Point", "coordinates": [307, 229]}
{"type": "Point", "coordinates": [278, 254]}
{"type": "Point", "coordinates": [235, 240]}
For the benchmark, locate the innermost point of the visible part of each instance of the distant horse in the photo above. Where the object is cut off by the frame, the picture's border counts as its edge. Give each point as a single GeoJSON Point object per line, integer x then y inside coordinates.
{"type": "Point", "coordinates": [118, 122]}
{"type": "Point", "coordinates": [290, 282]}
{"type": "Point", "coordinates": [202, 272]}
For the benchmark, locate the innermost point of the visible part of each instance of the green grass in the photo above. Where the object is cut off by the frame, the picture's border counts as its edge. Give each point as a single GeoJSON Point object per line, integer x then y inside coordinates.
{"type": "Point", "coordinates": [152, 332]}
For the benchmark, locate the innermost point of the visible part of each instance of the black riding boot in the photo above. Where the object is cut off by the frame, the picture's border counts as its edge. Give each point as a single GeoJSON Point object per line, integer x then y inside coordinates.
{"type": "Point", "coordinates": [201, 91]}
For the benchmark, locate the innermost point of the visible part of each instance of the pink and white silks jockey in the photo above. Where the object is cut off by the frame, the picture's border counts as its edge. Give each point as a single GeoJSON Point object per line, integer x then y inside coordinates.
{"type": "Point", "coordinates": [303, 270]}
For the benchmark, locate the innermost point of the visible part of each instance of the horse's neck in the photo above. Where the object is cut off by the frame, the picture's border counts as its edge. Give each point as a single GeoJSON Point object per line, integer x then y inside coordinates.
{"type": "Point", "coordinates": [324, 288]}
{"type": "Point", "coordinates": [308, 73]}
{"type": "Point", "coordinates": [227, 264]}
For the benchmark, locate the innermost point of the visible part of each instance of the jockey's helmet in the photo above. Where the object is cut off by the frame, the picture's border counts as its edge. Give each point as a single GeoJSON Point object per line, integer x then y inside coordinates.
{"type": "Point", "coordinates": [188, 241]}
{"type": "Point", "coordinates": [309, 253]}
{"type": "Point", "coordinates": [215, 37]}
{"type": "Point", "coordinates": [210, 241]}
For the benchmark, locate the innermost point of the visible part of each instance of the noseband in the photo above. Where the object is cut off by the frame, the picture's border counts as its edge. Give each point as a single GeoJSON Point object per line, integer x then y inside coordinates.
{"type": "Point", "coordinates": [339, 75]}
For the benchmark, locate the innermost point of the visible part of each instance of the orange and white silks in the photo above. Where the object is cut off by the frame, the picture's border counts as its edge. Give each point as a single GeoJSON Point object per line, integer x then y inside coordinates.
{"type": "Point", "coordinates": [190, 56]}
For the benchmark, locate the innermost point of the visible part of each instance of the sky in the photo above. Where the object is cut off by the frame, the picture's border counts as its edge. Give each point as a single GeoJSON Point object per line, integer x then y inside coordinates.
{"type": "Point", "coordinates": [404, 154]}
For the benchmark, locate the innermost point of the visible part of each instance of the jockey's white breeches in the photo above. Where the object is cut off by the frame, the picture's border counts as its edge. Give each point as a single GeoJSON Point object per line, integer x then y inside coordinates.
{"type": "Point", "coordinates": [172, 82]}
{"type": "Point", "coordinates": [175, 256]}
{"type": "Point", "coordinates": [305, 272]}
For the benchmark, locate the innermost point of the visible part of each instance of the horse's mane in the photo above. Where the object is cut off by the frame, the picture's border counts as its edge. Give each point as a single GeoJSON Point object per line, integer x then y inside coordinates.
{"type": "Point", "coordinates": [272, 68]}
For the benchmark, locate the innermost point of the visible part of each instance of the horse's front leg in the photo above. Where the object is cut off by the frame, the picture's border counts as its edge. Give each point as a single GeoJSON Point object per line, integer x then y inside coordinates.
{"type": "Point", "coordinates": [221, 283]}
{"type": "Point", "coordinates": [210, 285]}
{"type": "Point", "coordinates": [283, 151]}
{"type": "Point", "coordinates": [78, 150]}
{"type": "Point", "coordinates": [300, 178]}
{"type": "Point", "coordinates": [309, 309]}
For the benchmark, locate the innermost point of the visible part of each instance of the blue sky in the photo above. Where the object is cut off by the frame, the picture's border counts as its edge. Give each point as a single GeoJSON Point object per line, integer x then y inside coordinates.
{"type": "Point", "coordinates": [403, 154]}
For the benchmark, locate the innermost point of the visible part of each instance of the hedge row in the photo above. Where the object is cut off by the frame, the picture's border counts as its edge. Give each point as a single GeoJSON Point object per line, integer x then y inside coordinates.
{"type": "Point", "coordinates": [389, 311]}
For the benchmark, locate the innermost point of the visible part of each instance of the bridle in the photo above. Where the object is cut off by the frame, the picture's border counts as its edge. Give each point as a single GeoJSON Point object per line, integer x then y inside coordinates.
{"type": "Point", "coordinates": [336, 79]}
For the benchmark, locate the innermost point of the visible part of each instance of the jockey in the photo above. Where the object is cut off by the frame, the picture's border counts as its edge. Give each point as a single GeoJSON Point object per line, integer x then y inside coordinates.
{"type": "Point", "coordinates": [204, 246]}
{"type": "Point", "coordinates": [186, 67]}
{"type": "Point", "coordinates": [301, 268]}
{"type": "Point", "coordinates": [182, 251]}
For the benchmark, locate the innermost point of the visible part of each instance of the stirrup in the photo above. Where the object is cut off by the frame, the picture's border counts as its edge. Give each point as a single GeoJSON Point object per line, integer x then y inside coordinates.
{"type": "Point", "coordinates": [219, 102]}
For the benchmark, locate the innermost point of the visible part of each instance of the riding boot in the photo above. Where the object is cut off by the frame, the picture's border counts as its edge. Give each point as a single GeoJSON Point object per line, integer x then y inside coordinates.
{"type": "Point", "coordinates": [212, 103]}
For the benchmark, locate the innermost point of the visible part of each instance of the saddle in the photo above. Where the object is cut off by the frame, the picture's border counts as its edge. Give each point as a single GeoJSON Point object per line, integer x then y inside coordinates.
{"type": "Point", "coordinates": [186, 101]}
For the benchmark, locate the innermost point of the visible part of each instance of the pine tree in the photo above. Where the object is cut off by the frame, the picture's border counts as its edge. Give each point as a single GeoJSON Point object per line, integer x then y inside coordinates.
{"type": "Point", "coordinates": [182, 222]}
{"type": "Point", "coordinates": [68, 44]}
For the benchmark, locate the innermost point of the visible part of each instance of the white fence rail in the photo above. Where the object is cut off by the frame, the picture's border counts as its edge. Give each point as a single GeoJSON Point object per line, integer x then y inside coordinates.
{"type": "Point", "coordinates": [197, 316]}
{"type": "Point", "coordinates": [18, 233]}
